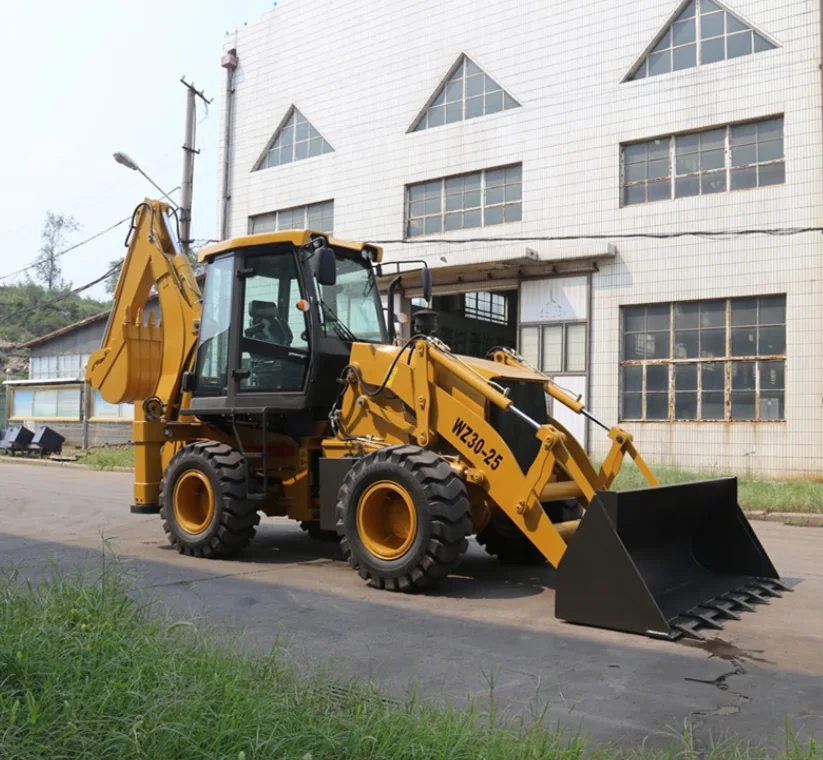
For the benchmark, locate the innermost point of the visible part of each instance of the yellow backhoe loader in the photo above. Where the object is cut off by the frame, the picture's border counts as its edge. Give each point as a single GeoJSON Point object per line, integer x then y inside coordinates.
{"type": "Point", "coordinates": [283, 391]}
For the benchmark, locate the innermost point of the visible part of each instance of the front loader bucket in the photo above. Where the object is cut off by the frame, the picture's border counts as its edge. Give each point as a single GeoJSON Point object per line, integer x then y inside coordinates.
{"type": "Point", "coordinates": [664, 561]}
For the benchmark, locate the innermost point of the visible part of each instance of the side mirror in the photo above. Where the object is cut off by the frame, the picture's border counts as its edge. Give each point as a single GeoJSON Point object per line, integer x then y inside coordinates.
{"type": "Point", "coordinates": [325, 266]}
{"type": "Point", "coordinates": [426, 277]}
{"type": "Point", "coordinates": [188, 382]}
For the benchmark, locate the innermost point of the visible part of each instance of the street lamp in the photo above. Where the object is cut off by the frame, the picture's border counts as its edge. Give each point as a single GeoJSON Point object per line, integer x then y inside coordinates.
{"type": "Point", "coordinates": [130, 163]}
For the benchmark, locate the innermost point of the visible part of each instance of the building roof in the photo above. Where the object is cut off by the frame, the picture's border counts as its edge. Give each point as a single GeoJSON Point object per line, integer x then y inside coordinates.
{"type": "Point", "coordinates": [63, 330]}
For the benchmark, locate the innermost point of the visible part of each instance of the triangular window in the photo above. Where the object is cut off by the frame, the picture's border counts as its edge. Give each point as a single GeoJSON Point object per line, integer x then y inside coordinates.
{"type": "Point", "coordinates": [467, 93]}
{"type": "Point", "coordinates": [704, 32]}
{"type": "Point", "coordinates": [294, 140]}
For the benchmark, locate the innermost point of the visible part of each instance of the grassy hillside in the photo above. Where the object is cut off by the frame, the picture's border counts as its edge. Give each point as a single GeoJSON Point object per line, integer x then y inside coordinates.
{"type": "Point", "coordinates": [28, 311]}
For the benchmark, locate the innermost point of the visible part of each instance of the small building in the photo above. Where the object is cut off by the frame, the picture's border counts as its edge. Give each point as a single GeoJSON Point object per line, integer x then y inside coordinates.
{"type": "Point", "coordinates": [56, 395]}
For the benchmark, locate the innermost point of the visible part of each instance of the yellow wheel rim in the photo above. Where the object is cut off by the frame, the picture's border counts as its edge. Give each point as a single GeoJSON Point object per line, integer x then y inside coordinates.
{"type": "Point", "coordinates": [193, 501]}
{"type": "Point", "coordinates": [386, 520]}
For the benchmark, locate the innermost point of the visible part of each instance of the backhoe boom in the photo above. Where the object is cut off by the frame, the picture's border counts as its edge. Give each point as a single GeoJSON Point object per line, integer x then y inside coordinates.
{"type": "Point", "coordinates": [142, 360]}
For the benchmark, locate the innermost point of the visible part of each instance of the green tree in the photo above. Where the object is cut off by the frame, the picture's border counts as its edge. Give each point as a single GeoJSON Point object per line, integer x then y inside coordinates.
{"type": "Point", "coordinates": [54, 237]}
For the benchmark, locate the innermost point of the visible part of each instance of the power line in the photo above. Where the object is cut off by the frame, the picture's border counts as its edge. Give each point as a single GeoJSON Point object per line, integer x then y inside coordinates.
{"type": "Point", "coordinates": [61, 297]}
{"type": "Point", "coordinates": [69, 249]}
{"type": "Point", "coordinates": [709, 234]}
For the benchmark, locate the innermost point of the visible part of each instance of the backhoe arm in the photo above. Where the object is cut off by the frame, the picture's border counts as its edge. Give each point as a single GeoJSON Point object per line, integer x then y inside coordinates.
{"type": "Point", "coordinates": [140, 359]}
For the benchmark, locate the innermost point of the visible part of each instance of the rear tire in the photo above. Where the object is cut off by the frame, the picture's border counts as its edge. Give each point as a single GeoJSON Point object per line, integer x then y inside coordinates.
{"type": "Point", "coordinates": [203, 501]}
{"type": "Point", "coordinates": [403, 516]}
{"type": "Point", "coordinates": [503, 539]}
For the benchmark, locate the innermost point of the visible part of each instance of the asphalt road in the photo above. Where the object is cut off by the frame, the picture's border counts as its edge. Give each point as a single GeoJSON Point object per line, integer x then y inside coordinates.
{"type": "Point", "coordinates": [488, 623]}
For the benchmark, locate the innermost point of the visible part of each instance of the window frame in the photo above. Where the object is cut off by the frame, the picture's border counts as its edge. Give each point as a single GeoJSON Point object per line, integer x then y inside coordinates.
{"type": "Point", "coordinates": [294, 119]}
{"type": "Point", "coordinates": [467, 69]}
{"type": "Point", "coordinates": [304, 208]}
{"type": "Point", "coordinates": [491, 314]}
{"type": "Point", "coordinates": [563, 325]}
{"type": "Point", "coordinates": [728, 171]}
{"type": "Point", "coordinates": [642, 70]}
{"type": "Point", "coordinates": [482, 208]}
{"type": "Point", "coordinates": [728, 362]}
{"type": "Point", "coordinates": [34, 390]}
{"type": "Point", "coordinates": [119, 417]}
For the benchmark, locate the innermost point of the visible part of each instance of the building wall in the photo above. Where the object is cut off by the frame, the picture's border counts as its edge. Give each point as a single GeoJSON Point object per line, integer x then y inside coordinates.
{"type": "Point", "coordinates": [565, 62]}
{"type": "Point", "coordinates": [82, 340]}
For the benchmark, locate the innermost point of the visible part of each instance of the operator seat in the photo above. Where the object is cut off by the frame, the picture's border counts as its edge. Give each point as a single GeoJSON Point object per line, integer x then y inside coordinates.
{"type": "Point", "coordinates": [267, 324]}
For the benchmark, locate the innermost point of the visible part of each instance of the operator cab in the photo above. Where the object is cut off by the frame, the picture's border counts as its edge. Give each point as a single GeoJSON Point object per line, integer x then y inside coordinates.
{"type": "Point", "coordinates": [280, 313]}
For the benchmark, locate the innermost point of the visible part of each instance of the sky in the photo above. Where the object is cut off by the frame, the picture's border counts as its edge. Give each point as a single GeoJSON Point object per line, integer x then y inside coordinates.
{"type": "Point", "coordinates": [84, 79]}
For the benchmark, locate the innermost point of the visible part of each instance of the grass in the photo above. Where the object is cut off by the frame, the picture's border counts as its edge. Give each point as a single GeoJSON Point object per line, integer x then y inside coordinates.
{"type": "Point", "coordinates": [767, 495]}
{"type": "Point", "coordinates": [87, 672]}
{"type": "Point", "coordinates": [107, 457]}
{"type": "Point", "coordinates": [800, 496]}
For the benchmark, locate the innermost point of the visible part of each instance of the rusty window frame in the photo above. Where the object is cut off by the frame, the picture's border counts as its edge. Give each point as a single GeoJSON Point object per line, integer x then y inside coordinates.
{"type": "Point", "coordinates": [655, 186]}
{"type": "Point", "coordinates": [763, 364]}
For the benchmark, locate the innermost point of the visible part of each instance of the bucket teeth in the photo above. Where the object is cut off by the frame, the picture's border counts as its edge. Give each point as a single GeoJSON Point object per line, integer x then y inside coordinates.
{"type": "Point", "coordinates": [707, 617]}
{"type": "Point", "coordinates": [724, 608]}
{"type": "Point", "coordinates": [766, 589]}
{"type": "Point", "coordinates": [688, 628]}
{"type": "Point", "coordinates": [777, 584]}
{"type": "Point", "coordinates": [756, 594]}
{"type": "Point", "coordinates": [738, 598]}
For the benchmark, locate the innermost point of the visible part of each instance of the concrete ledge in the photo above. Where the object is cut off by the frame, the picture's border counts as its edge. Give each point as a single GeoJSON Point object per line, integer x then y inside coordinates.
{"type": "Point", "coordinates": [806, 519]}
{"type": "Point", "coordinates": [68, 465]}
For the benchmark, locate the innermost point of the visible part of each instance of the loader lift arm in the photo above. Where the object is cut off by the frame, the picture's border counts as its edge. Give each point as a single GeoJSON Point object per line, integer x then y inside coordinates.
{"type": "Point", "coordinates": [140, 361]}
{"type": "Point", "coordinates": [622, 441]}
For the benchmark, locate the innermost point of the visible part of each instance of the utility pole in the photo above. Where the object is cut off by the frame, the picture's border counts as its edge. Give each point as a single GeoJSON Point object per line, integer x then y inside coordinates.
{"type": "Point", "coordinates": [189, 151]}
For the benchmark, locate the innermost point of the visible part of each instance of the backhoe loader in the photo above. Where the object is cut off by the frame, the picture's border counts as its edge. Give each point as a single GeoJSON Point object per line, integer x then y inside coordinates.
{"type": "Point", "coordinates": [284, 391]}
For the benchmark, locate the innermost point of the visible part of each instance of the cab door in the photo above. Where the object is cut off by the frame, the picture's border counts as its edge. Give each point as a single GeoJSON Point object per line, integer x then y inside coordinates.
{"type": "Point", "coordinates": [273, 337]}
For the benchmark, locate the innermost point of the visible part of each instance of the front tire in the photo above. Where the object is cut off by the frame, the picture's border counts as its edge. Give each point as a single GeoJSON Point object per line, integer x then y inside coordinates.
{"type": "Point", "coordinates": [203, 501]}
{"type": "Point", "coordinates": [403, 516]}
{"type": "Point", "coordinates": [503, 539]}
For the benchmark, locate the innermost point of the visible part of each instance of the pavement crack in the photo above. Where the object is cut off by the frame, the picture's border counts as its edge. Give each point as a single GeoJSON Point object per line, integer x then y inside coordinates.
{"type": "Point", "coordinates": [721, 682]}
{"type": "Point", "coordinates": [205, 578]}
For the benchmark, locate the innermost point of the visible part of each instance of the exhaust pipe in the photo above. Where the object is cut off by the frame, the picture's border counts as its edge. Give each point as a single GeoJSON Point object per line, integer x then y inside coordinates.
{"type": "Point", "coordinates": [664, 562]}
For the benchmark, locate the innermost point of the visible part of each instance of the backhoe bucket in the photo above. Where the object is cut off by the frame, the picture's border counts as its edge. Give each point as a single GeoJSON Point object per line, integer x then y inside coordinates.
{"type": "Point", "coordinates": [664, 561]}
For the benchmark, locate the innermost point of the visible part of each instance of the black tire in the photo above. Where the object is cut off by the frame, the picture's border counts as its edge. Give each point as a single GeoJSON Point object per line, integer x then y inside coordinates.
{"type": "Point", "coordinates": [503, 539]}
{"type": "Point", "coordinates": [234, 520]}
{"type": "Point", "coordinates": [443, 517]}
{"type": "Point", "coordinates": [312, 527]}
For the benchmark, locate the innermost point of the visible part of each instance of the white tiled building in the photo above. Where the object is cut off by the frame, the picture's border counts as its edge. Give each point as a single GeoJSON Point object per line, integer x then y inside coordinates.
{"type": "Point", "coordinates": [477, 122]}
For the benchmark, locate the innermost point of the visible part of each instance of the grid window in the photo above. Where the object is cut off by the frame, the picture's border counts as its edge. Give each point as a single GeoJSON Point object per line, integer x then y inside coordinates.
{"type": "Point", "coordinates": [46, 403]}
{"type": "Point", "coordinates": [67, 366]}
{"type": "Point", "coordinates": [103, 409]}
{"type": "Point", "coordinates": [719, 360]}
{"type": "Point", "coordinates": [490, 307]}
{"type": "Point", "coordinates": [556, 348]}
{"type": "Point", "coordinates": [735, 157]}
{"type": "Point", "coordinates": [703, 33]}
{"type": "Point", "coordinates": [295, 140]}
{"type": "Point", "coordinates": [316, 216]}
{"type": "Point", "coordinates": [465, 201]}
{"type": "Point", "coordinates": [757, 157]}
{"type": "Point", "coordinates": [468, 94]}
